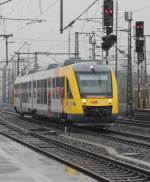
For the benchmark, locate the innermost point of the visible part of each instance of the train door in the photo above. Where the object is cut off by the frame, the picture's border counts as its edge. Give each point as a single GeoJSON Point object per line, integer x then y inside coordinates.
{"type": "Point", "coordinates": [57, 104]}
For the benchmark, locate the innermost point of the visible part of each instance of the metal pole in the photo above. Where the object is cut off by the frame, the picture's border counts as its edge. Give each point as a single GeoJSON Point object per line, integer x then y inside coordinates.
{"type": "Point", "coordinates": [29, 57]}
{"type": "Point", "coordinates": [6, 38]}
{"type": "Point", "coordinates": [139, 81]}
{"type": "Point", "coordinates": [4, 84]}
{"type": "Point", "coordinates": [9, 84]}
{"type": "Point", "coordinates": [36, 60]}
{"type": "Point", "coordinates": [69, 43]}
{"type": "Point", "coordinates": [129, 71]}
{"type": "Point", "coordinates": [116, 68]}
{"type": "Point", "coordinates": [61, 16]}
{"type": "Point", "coordinates": [145, 61]}
{"type": "Point", "coordinates": [93, 46]}
{"type": "Point", "coordinates": [77, 44]}
{"type": "Point", "coordinates": [107, 57]}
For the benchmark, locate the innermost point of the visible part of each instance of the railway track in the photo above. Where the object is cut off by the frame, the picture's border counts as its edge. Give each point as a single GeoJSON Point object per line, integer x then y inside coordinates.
{"type": "Point", "coordinates": [98, 166]}
{"type": "Point", "coordinates": [131, 139]}
{"type": "Point", "coordinates": [136, 141]}
{"type": "Point", "coordinates": [127, 138]}
{"type": "Point", "coordinates": [134, 122]}
{"type": "Point", "coordinates": [142, 114]}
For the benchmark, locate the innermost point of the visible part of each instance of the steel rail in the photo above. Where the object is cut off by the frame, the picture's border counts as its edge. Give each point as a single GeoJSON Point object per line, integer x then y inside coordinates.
{"type": "Point", "coordinates": [109, 162]}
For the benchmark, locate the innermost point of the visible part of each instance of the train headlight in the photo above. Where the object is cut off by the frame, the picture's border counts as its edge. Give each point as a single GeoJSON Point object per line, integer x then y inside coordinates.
{"type": "Point", "coordinates": [109, 101]}
{"type": "Point", "coordinates": [92, 68]}
{"type": "Point", "coordinates": [83, 101]}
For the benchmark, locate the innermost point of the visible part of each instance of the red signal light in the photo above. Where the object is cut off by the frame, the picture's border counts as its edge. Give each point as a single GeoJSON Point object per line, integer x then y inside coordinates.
{"type": "Point", "coordinates": [108, 11]}
{"type": "Point", "coordinates": [141, 27]}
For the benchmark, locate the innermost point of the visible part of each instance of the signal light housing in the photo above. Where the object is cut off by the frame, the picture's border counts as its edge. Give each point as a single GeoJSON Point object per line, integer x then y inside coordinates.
{"type": "Point", "coordinates": [108, 13]}
{"type": "Point", "coordinates": [139, 29]}
{"type": "Point", "coordinates": [139, 45]}
{"type": "Point", "coordinates": [109, 41]}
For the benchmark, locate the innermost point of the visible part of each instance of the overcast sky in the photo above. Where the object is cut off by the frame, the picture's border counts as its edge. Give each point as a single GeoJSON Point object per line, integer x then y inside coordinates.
{"type": "Point", "coordinates": [45, 36]}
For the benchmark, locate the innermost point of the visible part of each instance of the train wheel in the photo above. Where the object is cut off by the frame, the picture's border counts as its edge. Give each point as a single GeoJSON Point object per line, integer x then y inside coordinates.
{"type": "Point", "coordinates": [34, 115]}
{"type": "Point", "coordinates": [22, 114]}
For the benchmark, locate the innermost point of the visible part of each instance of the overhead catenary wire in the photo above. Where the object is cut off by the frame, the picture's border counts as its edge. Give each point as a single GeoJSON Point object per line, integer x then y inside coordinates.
{"type": "Point", "coordinates": [73, 21]}
{"type": "Point", "coordinates": [5, 2]}
{"type": "Point", "coordinates": [43, 12]}
{"type": "Point", "coordinates": [20, 19]}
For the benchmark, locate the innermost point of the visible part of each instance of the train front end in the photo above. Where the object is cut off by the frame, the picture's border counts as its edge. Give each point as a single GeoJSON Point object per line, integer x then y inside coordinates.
{"type": "Point", "coordinates": [98, 93]}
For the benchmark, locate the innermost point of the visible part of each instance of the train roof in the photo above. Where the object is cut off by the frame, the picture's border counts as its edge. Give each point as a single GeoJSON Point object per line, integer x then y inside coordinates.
{"type": "Point", "coordinates": [88, 65]}
{"type": "Point", "coordinates": [76, 64]}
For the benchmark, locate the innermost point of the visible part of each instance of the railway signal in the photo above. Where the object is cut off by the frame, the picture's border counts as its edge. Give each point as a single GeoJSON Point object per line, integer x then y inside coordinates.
{"type": "Point", "coordinates": [108, 13]}
{"type": "Point", "coordinates": [139, 45]}
{"type": "Point", "coordinates": [108, 41]}
{"type": "Point", "coordinates": [139, 27]}
{"type": "Point", "coordinates": [139, 40]}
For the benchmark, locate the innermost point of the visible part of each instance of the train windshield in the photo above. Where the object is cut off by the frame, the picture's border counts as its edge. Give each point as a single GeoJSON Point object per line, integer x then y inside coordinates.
{"type": "Point", "coordinates": [93, 84]}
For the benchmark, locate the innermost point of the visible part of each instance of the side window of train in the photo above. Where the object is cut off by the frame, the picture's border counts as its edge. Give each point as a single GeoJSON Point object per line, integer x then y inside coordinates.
{"type": "Point", "coordinates": [49, 91]}
{"type": "Point", "coordinates": [38, 91]}
{"type": "Point", "coordinates": [53, 88]}
{"type": "Point", "coordinates": [59, 88]}
{"type": "Point", "coordinates": [29, 89]}
{"type": "Point", "coordinates": [41, 91]}
{"type": "Point", "coordinates": [17, 90]}
{"type": "Point", "coordinates": [27, 92]}
{"type": "Point", "coordinates": [34, 89]}
{"type": "Point", "coordinates": [62, 85]}
{"type": "Point", "coordinates": [45, 91]}
{"type": "Point", "coordinates": [69, 93]}
{"type": "Point", "coordinates": [22, 91]}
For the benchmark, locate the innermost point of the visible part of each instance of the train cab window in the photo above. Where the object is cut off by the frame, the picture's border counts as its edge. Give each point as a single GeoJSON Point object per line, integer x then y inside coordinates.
{"type": "Point", "coordinates": [94, 84]}
{"type": "Point", "coordinates": [69, 93]}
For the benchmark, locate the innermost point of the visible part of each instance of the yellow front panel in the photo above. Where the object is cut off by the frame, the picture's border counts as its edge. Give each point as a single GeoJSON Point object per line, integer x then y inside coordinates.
{"type": "Point", "coordinates": [74, 105]}
{"type": "Point", "coordinates": [98, 102]}
{"type": "Point", "coordinates": [114, 94]}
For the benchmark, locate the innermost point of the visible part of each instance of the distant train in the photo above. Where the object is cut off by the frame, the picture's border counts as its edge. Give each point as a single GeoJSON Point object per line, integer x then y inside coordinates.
{"type": "Point", "coordinates": [80, 92]}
